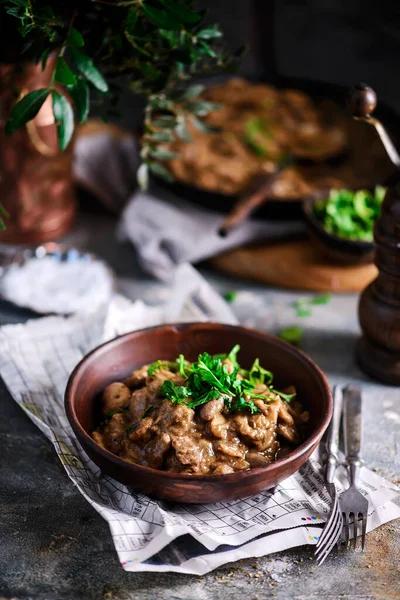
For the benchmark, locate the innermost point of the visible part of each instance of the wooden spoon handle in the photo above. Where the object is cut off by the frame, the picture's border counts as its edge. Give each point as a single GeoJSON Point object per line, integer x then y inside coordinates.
{"type": "Point", "coordinates": [246, 204]}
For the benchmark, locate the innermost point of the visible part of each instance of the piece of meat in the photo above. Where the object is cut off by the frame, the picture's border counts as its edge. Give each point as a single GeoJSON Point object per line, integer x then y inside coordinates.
{"type": "Point", "coordinates": [223, 469]}
{"type": "Point", "coordinates": [155, 451]}
{"type": "Point", "coordinates": [114, 432]}
{"type": "Point", "coordinates": [143, 433]}
{"type": "Point", "coordinates": [195, 454]}
{"type": "Point", "coordinates": [254, 430]}
{"type": "Point", "coordinates": [137, 377]}
{"type": "Point", "coordinates": [218, 427]}
{"type": "Point", "coordinates": [269, 409]}
{"type": "Point", "coordinates": [138, 403]}
{"type": "Point", "coordinates": [284, 413]}
{"type": "Point", "coordinates": [232, 447]}
{"type": "Point", "coordinates": [210, 409]}
{"type": "Point", "coordinates": [116, 396]}
{"type": "Point", "coordinates": [177, 419]}
{"type": "Point", "coordinates": [255, 459]}
{"type": "Point", "coordinates": [289, 432]}
{"type": "Point", "coordinates": [98, 438]}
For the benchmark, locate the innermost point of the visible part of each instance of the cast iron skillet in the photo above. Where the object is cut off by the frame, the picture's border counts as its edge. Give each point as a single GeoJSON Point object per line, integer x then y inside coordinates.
{"type": "Point", "coordinates": [280, 209]}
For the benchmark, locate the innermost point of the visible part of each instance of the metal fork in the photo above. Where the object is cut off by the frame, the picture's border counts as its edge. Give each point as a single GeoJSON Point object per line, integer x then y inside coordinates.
{"type": "Point", "coordinates": [352, 502]}
{"type": "Point", "coordinates": [333, 526]}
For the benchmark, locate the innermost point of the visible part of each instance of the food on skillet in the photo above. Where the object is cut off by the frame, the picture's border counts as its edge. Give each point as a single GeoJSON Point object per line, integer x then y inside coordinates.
{"type": "Point", "coordinates": [206, 417]}
{"type": "Point", "coordinates": [258, 127]}
{"type": "Point", "coordinates": [350, 214]}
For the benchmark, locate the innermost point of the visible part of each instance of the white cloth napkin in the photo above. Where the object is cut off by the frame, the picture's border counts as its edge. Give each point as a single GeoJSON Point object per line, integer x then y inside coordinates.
{"type": "Point", "coordinates": [35, 361]}
{"type": "Point", "coordinates": [165, 230]}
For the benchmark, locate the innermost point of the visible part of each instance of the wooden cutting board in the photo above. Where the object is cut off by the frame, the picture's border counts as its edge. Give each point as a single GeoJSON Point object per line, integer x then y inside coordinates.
{"type": "Point", "coordinates": [293, 264]}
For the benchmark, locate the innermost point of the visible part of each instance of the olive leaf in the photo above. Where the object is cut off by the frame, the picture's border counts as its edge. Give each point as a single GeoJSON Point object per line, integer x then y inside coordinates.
{"type": "Point", "coordinates": [161, 18]}
{"type": "Point", "coordinates": [186, 14]}
{"type": "Point", "coordinates": [182, 132]}
{"type": "Point", "coordinates": [161, 136]}
{"type": "Point", "coordinates": [64, 117]}
{"type": "Point", "coordinates": [193, 91]}
{"type": "Point", "coordinates": [75, 38]}
{"type": "Point", "coordinates": [85, 65]}
{"type": "Point", "coordinates": [80, 96]}
{"type": "Point", "coordinates": [142, 176]}
{"type": "Point", "coordinates": [63, 73]}
{"type": "Point", "coordinates": [26, 109]}
{"type": "Point", "coordinates": [161, 171]}
{"type": "Point", "coordinates": [209, 33]}
{"type": "Point", "coordinates": [44, 57]}
{"type": "Point", "coordinates": [162, 154]}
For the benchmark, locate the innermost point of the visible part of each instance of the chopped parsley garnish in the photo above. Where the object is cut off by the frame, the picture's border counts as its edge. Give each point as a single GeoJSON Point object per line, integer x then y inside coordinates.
{"type": "Point", "coordinates": [292, 334]}
{"type": "Point", "coordinates": [230, 296]}
{"type": "Point", "coordinates": [131, 428]}
{"type": "Point", "coordinates": [208, 378]}
{"type": "Point", "coordinates": [154, 367]}
{"type": "Point", "coordinates": [350, 214]}
{"type": "Point", "coordinates": [258, 374]}
{"type": "Point", "coordinates": [304, 305]}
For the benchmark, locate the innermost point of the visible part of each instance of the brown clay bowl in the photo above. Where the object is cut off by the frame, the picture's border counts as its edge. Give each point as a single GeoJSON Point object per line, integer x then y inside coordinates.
{"type": "Point", "coordinates": [116, 359]}
{"type": "Point", "coordinates": [333, 248]}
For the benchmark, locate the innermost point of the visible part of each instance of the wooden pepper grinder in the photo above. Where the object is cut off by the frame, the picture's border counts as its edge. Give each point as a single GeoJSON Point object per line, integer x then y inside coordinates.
{"type": "Point", "coordinates": [378, 350]}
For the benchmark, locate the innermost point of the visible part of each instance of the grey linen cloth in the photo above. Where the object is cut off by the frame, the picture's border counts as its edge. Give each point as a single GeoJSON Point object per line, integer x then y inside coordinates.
{"type": "Point", "coordinates": [166, 230]}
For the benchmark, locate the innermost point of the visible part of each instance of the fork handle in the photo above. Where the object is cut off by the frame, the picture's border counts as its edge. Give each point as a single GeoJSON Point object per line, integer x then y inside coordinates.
{"type": "Point", "coordinates": [352, 431]}
{"type": "Point", "coordinates": [332, 438]}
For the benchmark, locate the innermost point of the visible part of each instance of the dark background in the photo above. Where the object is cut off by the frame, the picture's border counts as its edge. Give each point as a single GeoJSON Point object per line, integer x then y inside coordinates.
{"type": "Point", "coordinates": [332, 40]}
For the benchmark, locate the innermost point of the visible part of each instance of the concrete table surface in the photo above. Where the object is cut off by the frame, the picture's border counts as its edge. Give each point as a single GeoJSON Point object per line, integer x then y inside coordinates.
{"type": "Point", "coordinates": [54, 546]}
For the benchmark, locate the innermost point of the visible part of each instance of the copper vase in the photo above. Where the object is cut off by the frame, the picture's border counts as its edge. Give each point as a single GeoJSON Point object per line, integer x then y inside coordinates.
{"type": "Point", "coordinates": [36, 185]}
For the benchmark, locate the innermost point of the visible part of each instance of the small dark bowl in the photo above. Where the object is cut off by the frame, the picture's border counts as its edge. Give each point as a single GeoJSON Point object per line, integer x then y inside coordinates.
{"type": "Point", "coordinates": [116, 359]}
{"type": "Point", "coordinates": [333, 248]}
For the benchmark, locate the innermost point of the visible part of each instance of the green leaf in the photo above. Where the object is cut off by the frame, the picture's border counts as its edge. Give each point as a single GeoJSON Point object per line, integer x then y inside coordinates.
{"type": "Point", "coordinates": [131, 19]}
{"type": "Point", "coordinates": [230, 296]}
{"type": "Point", "coordinates": [242, 404]}
{"type": "Point", "coordinates": [161, 136]}
{"type": "Point", "coordinates": [142, 176]}
{"type": "Point", "coordinates": [26, 109]}
{"type": "Point", "coordinates": [4, 212]}
{"type": "Point", "coordinates": [285, 397]}
{"type": "Point", "coordinates": [161, 18]}
{"type": "Point", "coordinates": [232, 356]}
{"type": "Point", "coordinates": [292, 334]}
{"type": "Point", "coordinates": [153, 368]}
{"type": "Point", "coordinates": [193, 91]}
{"type": "Point", "coordinates": [161, 171]}
{"type": "Point", "coordinates": [163, 154]}
{"type": "Point", "coordinates": [186, 14]}
{"type": "Point", "coordinates": [209, 33]}
{"type": "Point", "coordinates": [200, 125]}
{"type": "Point", "coordinates": [63, 73]}
{"type": "Point", "coordinates": [182, 132]}
{"type": "Point", "coordinates": [258, 374]}
{"type": "Point", "coordinates": [324, 299]}
{"type": "Point", "coordinates": [164, 122]}
{"type": "Point", "coordinates": [85, 65]}
{"type": "Point", "coordinates": [75, 38]}
{"type": "Point", "coordinates": [64, 117]}
{"type": "Point", "coordinates": [201, 108]}
{"type": "Point", "coordinates": [80, 96]}
{"type": "Point", "coordinates": [44, 58]}
{"type": "Point", "coordinates": [176, 393]}
{"type": "Point", "coordinates": [182, 365]}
